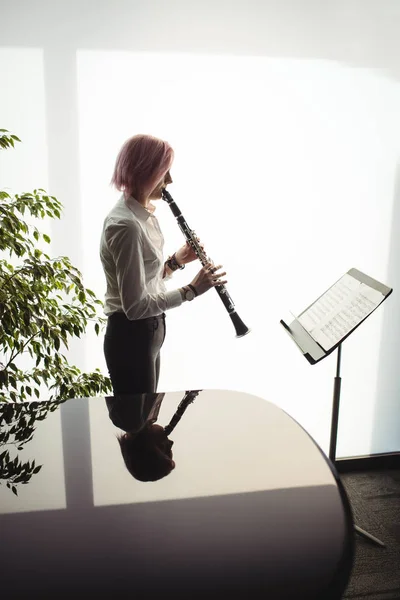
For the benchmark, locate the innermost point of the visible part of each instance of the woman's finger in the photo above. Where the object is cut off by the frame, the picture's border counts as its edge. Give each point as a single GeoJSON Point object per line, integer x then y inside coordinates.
{"type": "Point", "coordinates": [214, 283]}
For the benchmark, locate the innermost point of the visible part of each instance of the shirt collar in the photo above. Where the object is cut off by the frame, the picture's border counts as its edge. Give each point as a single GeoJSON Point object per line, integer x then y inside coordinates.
{"type": "Point", "coordinates": [140, 211]}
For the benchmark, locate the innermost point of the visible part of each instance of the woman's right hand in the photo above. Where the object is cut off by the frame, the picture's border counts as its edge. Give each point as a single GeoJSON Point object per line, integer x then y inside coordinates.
{"type": "Point", "coordinates": [207, 278]}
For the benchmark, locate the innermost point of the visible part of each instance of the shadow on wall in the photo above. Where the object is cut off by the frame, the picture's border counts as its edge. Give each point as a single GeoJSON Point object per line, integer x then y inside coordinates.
{"type": "Point", "coordinates": [386, 431]}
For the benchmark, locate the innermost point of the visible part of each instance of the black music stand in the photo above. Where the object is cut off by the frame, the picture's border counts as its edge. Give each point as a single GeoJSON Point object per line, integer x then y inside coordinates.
{"type": "Point", "coordinates": [301, 334]}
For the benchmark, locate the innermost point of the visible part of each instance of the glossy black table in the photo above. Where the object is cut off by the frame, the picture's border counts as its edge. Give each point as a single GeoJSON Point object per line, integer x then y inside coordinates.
{"type": "Point", "coordinates": [244, 503]}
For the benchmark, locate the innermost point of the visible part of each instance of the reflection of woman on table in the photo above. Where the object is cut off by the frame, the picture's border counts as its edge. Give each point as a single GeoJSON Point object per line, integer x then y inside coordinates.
{"type": "Point", "coordinates": [145, 447]}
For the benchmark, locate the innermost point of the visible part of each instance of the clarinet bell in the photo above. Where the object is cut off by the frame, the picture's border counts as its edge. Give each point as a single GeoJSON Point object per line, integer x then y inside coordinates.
{"type": "Point", "coordinates": [240, 327]}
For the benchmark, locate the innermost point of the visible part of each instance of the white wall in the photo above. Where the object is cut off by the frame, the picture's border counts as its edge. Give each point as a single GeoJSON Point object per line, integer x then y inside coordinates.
{"type": "Point", "coordinates": [284, 121]}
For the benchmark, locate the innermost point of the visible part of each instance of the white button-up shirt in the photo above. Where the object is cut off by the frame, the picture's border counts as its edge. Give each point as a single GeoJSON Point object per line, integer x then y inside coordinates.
{"type": "Point", "coordinates": [131, 252]}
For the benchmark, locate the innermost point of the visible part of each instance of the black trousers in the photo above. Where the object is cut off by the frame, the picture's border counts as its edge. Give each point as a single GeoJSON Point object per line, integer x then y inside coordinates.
{"type": "Point", "coordinates": [132, 353]}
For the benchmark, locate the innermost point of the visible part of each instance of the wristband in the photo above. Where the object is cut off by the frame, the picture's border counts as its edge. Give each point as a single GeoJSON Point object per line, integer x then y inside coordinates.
{"type": "Point", "coordinates": [173, 264]}
{"type": "Point", "coordinates": [193, 289]}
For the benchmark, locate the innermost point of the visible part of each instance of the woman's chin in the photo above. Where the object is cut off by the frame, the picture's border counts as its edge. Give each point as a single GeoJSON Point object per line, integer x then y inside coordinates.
{"type": "Point", "coordinates": [156, 195]}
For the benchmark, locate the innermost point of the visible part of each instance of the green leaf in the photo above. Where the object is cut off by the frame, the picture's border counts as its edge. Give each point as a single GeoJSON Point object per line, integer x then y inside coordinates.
{"type": "Point", "coordinates": [35, 319]}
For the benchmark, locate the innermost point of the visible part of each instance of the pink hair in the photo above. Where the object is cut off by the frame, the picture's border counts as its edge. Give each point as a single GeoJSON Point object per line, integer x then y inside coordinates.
{"type": "Point", "coordinates": [141, 164]}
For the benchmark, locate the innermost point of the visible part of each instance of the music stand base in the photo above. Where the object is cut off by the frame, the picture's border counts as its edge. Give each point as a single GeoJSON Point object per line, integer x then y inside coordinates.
{"type": "Point", "coordinates": [369, 537]}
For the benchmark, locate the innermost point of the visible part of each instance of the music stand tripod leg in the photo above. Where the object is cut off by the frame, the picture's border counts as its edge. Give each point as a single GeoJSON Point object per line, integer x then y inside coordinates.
{"type": "Point", "coordinates": [333, 439]}
{"type": "Point", "coordinates": [368, 536]}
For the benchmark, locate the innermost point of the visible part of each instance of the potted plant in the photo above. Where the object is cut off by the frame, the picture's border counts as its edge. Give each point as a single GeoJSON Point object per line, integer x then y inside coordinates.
{"type": "Point", "coordinates": [43, 302]}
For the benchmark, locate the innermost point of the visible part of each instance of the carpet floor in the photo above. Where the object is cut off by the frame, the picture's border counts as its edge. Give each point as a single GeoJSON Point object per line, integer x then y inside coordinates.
{"type": "Point", "coordinates": [375, 502]}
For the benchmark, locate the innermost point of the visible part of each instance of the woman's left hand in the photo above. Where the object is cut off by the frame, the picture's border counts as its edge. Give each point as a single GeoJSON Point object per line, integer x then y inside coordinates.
{"type": "Point", "coordinates": [186, 254]}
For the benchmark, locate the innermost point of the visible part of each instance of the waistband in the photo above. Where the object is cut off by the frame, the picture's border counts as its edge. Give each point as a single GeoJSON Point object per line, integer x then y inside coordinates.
{"type": "Point", "coordinates": [121, 316]}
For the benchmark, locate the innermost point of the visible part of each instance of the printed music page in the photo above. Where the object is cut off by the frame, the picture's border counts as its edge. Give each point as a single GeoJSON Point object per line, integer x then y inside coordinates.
{"type": "Point", "coordinates": [339, 310]}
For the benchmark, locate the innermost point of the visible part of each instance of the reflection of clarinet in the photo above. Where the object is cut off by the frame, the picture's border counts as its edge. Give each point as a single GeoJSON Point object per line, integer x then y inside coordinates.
{"type": "Point", "coordinates": [240, 327]}
{"type": "Point", "coordinates": [188, 398]}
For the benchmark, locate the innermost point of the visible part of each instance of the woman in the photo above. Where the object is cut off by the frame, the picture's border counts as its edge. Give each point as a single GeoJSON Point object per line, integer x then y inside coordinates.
{"type": "Point", "coordinates": [131, 252]}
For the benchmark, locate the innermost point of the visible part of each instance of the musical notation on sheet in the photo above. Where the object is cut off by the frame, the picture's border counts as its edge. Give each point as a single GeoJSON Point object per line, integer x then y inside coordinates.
{"type": "Point", "coordinates": [339, 310]}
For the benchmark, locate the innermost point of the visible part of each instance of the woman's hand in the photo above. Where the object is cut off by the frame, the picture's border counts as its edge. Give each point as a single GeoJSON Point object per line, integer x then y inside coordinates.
{"type": "Point", "coordinates": [186, 254]}
{"type": "Point", "coordinates": [207, 278]}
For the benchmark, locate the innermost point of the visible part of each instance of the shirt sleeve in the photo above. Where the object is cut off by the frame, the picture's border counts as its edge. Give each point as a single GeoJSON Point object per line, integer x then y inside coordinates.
{"type": "Point", "coordinates": [124, 240]}
{"type": "Point", "coordinates": [168, 277]}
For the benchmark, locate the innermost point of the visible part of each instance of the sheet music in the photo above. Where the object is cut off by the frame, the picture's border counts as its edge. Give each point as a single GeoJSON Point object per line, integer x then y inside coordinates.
{"type": "Point", "coordinates": [339, 310]}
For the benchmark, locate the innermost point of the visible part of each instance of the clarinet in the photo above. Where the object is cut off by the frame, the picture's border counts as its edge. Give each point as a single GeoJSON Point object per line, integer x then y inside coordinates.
{"type": "Point", "coordinates": [188, 398]}
{"type": "Point", "coordinates": [189, 234]}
